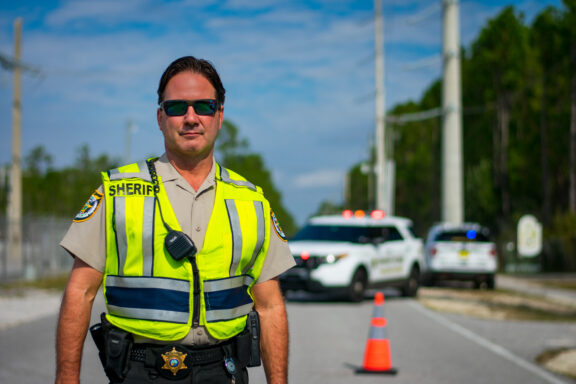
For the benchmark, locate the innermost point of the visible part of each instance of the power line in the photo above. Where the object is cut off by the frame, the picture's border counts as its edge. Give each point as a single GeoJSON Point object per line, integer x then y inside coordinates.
{"type": "Point", "coordinates": [425, 14]}
{"type": "Point", "coordinates": [434, 113]}
{"type": "Point", "coordinates": [11, 63]}
{"type": "Point", "coordinates": [416, 116]}
{"type": "Point", "coordinates": [426, 62]}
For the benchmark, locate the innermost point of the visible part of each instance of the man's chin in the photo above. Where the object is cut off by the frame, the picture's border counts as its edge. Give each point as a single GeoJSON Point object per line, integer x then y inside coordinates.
{"type": "Point", "coordinates": [194, 152]}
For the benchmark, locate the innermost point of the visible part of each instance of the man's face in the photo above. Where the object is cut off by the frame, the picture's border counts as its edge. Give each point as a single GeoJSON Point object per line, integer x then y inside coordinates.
{"type": "Point", "coordinates": [191, 136]}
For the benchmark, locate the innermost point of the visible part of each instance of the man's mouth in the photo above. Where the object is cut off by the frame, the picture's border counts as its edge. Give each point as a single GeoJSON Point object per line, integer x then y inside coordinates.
{"type": "Point", "coordinates": [190, 132]}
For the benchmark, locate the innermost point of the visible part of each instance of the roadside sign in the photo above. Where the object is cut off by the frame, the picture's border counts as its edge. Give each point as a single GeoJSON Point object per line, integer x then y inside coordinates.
{"type": "Point", "coordinates": [529, 236]}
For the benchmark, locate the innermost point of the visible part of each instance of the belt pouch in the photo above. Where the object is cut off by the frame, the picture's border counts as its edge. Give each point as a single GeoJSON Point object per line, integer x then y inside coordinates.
{"type": "Point", "coordinates": [97, 333]}
{"type": "Point", "coordinates": [243, 348]}
{"type": "Point", "coordinates": [118, 345]}
{"type": "Point", "coordinates": [253, 325]}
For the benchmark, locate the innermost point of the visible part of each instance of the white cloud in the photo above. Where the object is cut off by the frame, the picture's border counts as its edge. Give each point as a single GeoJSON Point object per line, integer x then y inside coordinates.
{"type": "Point", "coordinates": [300, 78]}
{"type": "Point", "coordinates": [319, 179]}
{"type": "Point", "coordinates": [102, 10]}
{"type": "Point", "coordinates": [241, 5]}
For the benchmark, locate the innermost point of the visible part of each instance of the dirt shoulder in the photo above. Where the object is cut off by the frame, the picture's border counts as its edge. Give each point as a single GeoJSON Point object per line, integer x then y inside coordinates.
{"type": "Point", "coordinates": [498, 304]}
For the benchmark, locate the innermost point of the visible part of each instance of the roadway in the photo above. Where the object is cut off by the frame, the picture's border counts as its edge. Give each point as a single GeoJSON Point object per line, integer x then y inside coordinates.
{"type": "Point", "coordinates": [328, 340]}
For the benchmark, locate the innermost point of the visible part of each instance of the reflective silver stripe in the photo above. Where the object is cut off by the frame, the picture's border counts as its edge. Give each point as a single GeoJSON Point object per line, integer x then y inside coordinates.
{"type": "Point", "coordinates": [148, 282]}
{"type": "Point", "coordinates": [378, 311]}
{"type": "Point", "coordinates": [230, 283]}
{"type": "Point", "coordinates": [226, 314]}
{"type": "Point", "coordinates": [121, 240]}
{"type": "Point", "coordinates": [148, 236]}
{"type": "Point", "coordinates": [144, 173]}
{"type": "Point", "coordinates": [149, 314]}
{"type": "Point", "coordinates": [127, 175]}
{"type": "Point", "coordinates": [378, 333]}
{"type": "Point", "coordinates": [236, 236]}
{"type": "Point", "coordinates": [225, 176]}
{"type": "Point", "coordinates": [260, 234]}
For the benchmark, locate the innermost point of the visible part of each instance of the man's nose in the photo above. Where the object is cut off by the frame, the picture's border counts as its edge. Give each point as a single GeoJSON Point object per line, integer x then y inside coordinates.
{"type": "Point", "coordinates": [191, 114]}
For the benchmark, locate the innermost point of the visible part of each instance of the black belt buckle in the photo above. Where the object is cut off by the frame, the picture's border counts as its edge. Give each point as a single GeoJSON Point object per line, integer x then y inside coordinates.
{"type": "Point", "coordinates": [173, 362]}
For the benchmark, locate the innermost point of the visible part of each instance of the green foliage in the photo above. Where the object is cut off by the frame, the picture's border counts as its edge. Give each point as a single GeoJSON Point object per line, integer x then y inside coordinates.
{"type": "Point", "coordinates": [47, 191]}
{"type": "Point", "coordinates": [417, 158]}
{"type": "Point", "coordinates": [478, 188]}
{"type": "Point", "coordinates": [360, 187]}
{"type": "Point", "coordinates": [62, 193]}
{"type": "Point", "coordinates": [234, 153]}
{"type": "Point", "coordinates": [561, 242]}
{"type": "Point", "coordinates": [516, 95]}
{"type": "Point", "coordinates": [328, 208]}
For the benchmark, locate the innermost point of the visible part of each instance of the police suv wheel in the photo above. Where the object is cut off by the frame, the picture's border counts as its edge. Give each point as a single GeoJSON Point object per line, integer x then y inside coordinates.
{"type": "Point", "coordinates": [357, 286]}
{"type": "Point", "coordinates": [412, 284]}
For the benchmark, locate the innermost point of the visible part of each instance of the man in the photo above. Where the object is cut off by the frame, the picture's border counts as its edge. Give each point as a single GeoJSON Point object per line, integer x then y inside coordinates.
{"type": "Point", "coordinates": [185, 249]}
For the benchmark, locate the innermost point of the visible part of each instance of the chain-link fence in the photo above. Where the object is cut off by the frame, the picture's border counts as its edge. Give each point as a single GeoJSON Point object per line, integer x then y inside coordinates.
{"type": "Point", "coordinates": [41, 253]}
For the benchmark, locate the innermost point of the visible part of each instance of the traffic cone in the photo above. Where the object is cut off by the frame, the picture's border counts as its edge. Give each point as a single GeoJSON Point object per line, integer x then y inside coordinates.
{"type": "Point", "coordinates": [377, 357]}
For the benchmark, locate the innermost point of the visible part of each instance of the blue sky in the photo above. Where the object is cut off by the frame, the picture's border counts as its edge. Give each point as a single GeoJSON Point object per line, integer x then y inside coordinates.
{"type": "Point", "coordinates": [299, 75]}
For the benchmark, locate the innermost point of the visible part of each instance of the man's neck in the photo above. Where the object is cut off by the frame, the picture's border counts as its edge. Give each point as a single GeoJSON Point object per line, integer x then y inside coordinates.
{"type": "Point", "coordinates": [194, 171]}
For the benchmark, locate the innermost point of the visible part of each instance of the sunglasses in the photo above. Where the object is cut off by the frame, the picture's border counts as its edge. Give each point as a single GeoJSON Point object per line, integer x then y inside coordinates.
{"type": "Point", "coordinates": [204, 107]}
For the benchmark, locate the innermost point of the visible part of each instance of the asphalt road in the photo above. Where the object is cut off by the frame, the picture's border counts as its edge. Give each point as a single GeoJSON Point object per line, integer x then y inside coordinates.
{"type": "Point", "coordinates": [427, 347]}
{"type": "Point", "coordinates": [328, 340]}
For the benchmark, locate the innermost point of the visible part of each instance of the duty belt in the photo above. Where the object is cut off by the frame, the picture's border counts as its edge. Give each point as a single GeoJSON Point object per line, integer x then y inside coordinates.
{"type": "Point", "coordinates": [197, 356]}
{"type": "Point", "coordinates": [175, 361]}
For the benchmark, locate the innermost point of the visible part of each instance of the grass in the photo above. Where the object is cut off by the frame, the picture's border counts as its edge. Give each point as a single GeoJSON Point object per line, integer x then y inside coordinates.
{"type": "Point", "coordinates": [562, 284]}
{"type": "Point", "coordinates": [57, 282]}
{"type": "Point", "coordinates": [561, 281]}
{"type": "Point", "coordinates": [497, 304]}
{"type": "Point", "coordinates": [546, 357]}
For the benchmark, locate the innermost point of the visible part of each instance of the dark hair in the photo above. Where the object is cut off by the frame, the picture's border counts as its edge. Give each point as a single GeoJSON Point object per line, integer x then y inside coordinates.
{"type": "Point", "coordinates": [200, 66]}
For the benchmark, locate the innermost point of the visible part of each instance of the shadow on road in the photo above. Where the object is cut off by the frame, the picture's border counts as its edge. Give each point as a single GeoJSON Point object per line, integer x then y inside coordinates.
{"type": "Point", "coordinates": [308, 297]}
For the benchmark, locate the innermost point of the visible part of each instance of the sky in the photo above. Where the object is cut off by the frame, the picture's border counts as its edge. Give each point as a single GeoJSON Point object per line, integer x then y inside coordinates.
{"type": "Point", "coordinates": [299, 76]}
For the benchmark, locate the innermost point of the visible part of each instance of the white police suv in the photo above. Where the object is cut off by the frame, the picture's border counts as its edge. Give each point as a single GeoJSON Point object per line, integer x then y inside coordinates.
{"type": "Point", "coordinates": [353, 252]}
{"type": "Point", "coordinates": [460, 252]}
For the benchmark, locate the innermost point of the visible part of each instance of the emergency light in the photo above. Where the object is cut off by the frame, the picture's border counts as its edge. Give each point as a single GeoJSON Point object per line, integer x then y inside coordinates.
{"type": "Point", "coordinates": [376, 214]}
{"type": "Point", "coordinates": [471, 234]}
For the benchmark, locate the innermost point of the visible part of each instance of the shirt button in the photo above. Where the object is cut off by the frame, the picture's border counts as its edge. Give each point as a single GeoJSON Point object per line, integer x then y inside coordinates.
{"type": "Point", "coordinates": [198, 229]}
{"type": "Point", "coordinates": [199, 332]}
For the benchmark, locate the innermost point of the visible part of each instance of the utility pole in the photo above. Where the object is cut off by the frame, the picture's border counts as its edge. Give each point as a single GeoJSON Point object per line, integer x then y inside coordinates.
{"type": "Point", "coordinates": [381, 186]}
{"type": "Point", "coordinates": [15, 192]}
{"type": "Point", "coordinates": [452, 180]}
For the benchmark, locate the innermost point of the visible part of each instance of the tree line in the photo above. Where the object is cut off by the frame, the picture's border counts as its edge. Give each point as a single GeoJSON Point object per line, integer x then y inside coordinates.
{"type": "Point", "coordinates": [519, 136]}
{"type": "Point", "coordinates": [48, 191]}
{"type": "Point", "coordinates": [519, 144]}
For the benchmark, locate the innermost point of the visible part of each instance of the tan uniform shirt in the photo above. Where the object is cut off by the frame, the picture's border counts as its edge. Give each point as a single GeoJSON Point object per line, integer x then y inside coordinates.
{"type": "Point", "coordinates": [87, 239]}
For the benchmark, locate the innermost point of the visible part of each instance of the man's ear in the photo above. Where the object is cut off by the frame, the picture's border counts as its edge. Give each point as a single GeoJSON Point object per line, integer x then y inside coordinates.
{"type": "Point", "coordinates": [221, 118]}
{"type": "Point", "coordinates": [159, 117]}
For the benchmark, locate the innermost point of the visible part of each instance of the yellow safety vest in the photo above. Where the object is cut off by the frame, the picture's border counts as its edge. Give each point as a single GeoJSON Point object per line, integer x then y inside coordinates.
{"type": "Point", "coordinates": [149, 293]}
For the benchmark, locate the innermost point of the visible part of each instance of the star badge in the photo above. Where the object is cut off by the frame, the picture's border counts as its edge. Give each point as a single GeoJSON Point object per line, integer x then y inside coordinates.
{"type": "Point", "coordinates": [174, 361]}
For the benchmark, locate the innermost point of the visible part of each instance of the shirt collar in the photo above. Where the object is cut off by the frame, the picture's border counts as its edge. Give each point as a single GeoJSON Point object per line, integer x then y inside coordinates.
{"type": "Point", "coordinates": [169, 174]}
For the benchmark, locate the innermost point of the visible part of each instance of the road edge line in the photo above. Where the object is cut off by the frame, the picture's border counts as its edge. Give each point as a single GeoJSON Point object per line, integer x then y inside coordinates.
{"type": "Point", "coordinates": [495, 348]}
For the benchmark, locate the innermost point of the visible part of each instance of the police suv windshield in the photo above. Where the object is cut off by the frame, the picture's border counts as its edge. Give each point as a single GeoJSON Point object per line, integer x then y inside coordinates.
{"type": "Point", "coordinates": [349, 234]}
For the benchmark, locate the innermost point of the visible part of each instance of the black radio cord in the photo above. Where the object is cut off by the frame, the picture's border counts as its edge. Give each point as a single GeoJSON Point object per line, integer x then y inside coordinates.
{"type": "Point", "coordinates": [156, 189]}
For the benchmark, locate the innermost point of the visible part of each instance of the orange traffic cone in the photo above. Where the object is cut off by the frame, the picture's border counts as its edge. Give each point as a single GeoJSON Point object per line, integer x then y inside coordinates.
{"type": "Point", "coordinates": [377, 357]}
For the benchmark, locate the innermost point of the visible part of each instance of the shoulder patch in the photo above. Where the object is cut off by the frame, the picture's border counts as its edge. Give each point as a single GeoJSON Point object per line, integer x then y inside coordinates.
{"type": "Point", "coordinates": [89, 208]}
{"type": "Point", "coordinates": [277, 227]}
